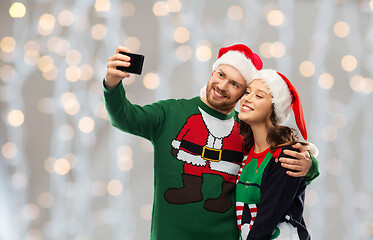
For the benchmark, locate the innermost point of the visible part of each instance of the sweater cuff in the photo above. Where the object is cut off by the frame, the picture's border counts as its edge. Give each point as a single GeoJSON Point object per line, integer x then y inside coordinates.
{"type": "Point", "coordinates": [107, 90]}
{"type": "Point", "coordinates": [113, 95]}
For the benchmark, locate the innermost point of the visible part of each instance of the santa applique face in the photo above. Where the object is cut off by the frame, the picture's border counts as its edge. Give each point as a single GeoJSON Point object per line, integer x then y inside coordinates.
{"type": "Point", "coordinates": [207, 145]}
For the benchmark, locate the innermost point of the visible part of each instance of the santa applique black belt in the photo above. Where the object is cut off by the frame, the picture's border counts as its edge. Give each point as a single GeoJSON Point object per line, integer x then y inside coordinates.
{"type": "Point", "coordinates": [212, 154]}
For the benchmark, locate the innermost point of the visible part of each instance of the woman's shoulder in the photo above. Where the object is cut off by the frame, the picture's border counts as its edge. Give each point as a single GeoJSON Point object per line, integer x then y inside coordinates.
{"type": "Point", "coordinates": [280, 151]}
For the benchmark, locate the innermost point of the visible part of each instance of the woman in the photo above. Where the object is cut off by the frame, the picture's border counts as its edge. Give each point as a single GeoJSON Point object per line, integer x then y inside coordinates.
{"type": "Point", "coordinates": [269, 202]}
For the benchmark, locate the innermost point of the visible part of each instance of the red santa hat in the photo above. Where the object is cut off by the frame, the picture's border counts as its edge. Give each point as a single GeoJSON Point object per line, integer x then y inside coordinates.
{"type": "Point", "coordinates": [241, 58]}
{"type": "Point", "coordinates": [285, 98]}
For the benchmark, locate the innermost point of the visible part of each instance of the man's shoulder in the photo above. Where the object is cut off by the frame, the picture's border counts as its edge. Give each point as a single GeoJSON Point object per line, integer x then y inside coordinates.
{"type": "Point", "coordinates": [175, 106]}
{"type": "Point", "coordinates": [176, 102]}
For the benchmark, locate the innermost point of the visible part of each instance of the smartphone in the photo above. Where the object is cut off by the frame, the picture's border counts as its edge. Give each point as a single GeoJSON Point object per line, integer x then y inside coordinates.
{"type": "Point", "coordinates": [137, 61]}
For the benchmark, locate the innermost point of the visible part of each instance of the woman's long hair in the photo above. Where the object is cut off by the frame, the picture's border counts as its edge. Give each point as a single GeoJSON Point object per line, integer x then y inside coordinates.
{"type": "Point", "coordinates": [278, 135]}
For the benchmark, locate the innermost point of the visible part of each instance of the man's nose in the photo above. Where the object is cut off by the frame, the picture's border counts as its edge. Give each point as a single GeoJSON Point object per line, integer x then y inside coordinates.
{"type": "Point", "coordinates": [223, 85]}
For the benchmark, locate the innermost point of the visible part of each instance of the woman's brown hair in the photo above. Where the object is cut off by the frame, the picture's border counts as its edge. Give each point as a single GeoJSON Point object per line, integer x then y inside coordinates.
{"type": "Point", "coordinates": [278, 135]}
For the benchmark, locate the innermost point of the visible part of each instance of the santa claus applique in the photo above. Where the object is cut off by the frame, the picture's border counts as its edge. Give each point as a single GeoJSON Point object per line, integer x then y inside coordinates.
{"type": "Point", "coordinates": [207, 145]}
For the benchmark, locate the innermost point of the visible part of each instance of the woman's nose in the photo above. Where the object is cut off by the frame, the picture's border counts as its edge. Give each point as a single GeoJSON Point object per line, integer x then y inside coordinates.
{"type": "Point", "coordinates": [246, 97]}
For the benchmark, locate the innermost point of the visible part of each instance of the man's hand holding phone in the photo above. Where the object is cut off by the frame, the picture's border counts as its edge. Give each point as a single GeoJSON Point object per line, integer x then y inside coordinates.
{"type": "Point", "coordinates": [120, 65]}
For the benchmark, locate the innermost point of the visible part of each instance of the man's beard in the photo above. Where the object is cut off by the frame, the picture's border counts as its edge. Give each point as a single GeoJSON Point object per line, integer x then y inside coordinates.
{"type": "Point", "coordinates": [225, 104]}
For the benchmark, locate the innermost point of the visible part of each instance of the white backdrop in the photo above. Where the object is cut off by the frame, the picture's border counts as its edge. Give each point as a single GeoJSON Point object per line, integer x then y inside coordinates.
{"type": "Point", "coordinates": [65, 173]}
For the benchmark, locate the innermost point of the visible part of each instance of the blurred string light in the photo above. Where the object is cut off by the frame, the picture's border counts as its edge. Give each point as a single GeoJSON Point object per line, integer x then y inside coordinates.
{"type": "Point", "coordinates": [32, 52]}
{"type": "Point", "coordinates": [17, 10]}
{"type": "Point", "coordinates": [86, 124]}
{"type": "Point", "coordinates": [102, 5]}
{"type": "Point", "coordinates": [125, 161]}
{"type": "Point", "coordinates": [70, 103]}
{"type": "Point", "coordinates": [16, 118]}
{"type": "Point", "coordinates": [46, 24]}
{"type": "Point", "coordinates": [307, 68]}
{"type": "Point", "coordinates": [98, 31]}
{"type": "Point", "coordinates": [7, 44]}
{"type": "Point", "coordinates": [203, 51]}
{"type": "Point", "coordinates": [272, 50]}
{"type": "Point", "coordinates": [235, 13]}
{"type": "Point", "coordinates": [275, 18]}
{"type": "Point", "coordinates": [61, 166]}
{"type": "Point", "coordinates": [160, 8]}
{"type": "Point", "coordinates": [349, 63]}
{"type": "Point", "coordinates": [65, 18]}
{"type": "Point", "coordinates": [132, 43]}
{"type": "Point", "coordinates": [163, 8]}
{"type": "Point", "coordinates": [326, 81]}
{"type": "Point", "coordinates": [151, 81]}
{"type": "Point", "coordinates": [341, 29]}
{"type": "Point", "coordinates": [45, 63]}
{"type": "Point", "coordinates": [361, 84]}
{"type": "Point", "coordinates": [115, 187]}
{"type": "Point", "coordinates": [9, 150]}
{"type": "Point", "coordinates": [181, 35]}
{"type": "Point", "coordinates": [73, 73]}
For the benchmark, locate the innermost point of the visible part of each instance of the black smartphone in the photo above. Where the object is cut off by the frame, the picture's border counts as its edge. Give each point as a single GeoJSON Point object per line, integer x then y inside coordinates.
{"type": "Point", "coordinates": [137, 61]}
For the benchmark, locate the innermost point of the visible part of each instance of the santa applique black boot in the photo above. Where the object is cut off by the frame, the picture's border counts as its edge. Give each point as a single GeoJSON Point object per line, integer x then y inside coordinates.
{"type": "Point", "coordinates": [224, 202]}
{"type": "Point", "coordinates": [191, 192]}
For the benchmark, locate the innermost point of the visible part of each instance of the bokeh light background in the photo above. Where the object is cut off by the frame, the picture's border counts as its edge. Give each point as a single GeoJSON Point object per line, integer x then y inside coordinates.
{"type": "Point", "coordinates": [65, 173]}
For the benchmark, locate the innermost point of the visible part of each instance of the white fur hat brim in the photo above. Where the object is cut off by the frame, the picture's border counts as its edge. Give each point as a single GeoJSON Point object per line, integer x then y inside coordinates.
{"type": "Point", "coordinates": [239, 61]}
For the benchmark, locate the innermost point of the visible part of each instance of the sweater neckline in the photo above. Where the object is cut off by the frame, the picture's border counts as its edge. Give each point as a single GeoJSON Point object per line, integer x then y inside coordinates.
{"type": "Point", "coordinates": [213, 112]}
{"type": "Point", "coordinates": [258, 155]}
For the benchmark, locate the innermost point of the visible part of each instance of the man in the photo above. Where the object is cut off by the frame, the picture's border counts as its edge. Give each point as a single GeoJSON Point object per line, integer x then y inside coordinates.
{"type": "Point", "coordinates": [197, 147]}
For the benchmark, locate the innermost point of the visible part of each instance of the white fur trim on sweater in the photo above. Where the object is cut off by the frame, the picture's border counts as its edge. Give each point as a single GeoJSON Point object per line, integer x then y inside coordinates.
{"type": "Point", "coordinates": [280, 92]}
{"type": "Point", "coordinates": [239, 61]}
{"type": "Point", "coordinates": [196, 160]}
{"type": "Point", "coordinates": [226, 167]}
